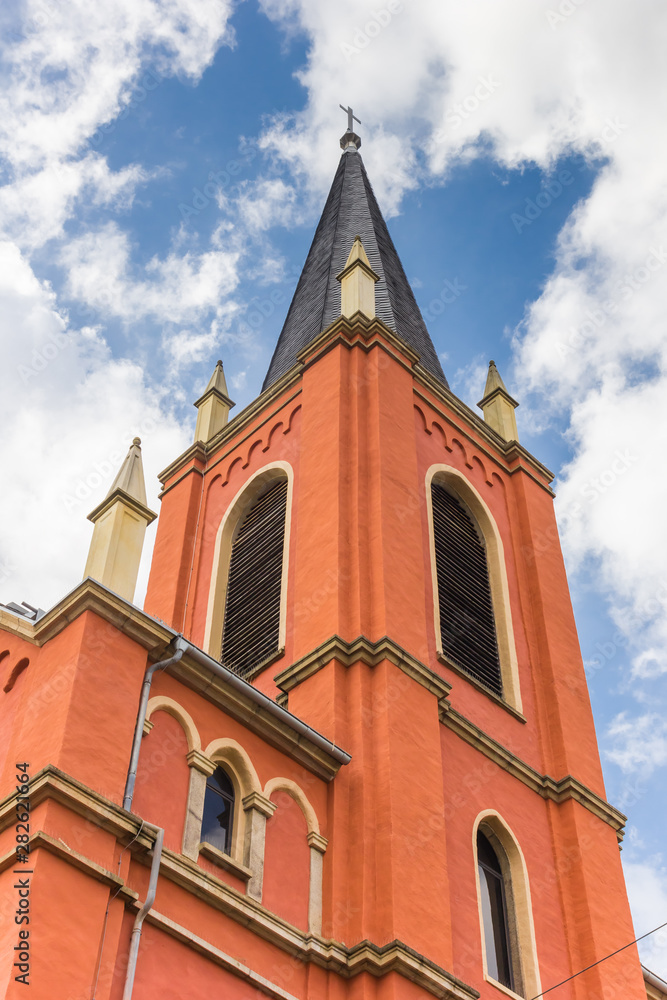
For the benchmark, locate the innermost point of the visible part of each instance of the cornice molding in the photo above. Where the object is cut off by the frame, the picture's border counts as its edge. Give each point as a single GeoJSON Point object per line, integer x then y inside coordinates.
{"type": "Point", "coordinates": [90, 595]}
{"type": "Point", "coordinates": [360, 331]}
{"type": "Point", "coordinates": [42, 840]}
{"type": "Point", "coordinates": [656, 988]}
{"type": "Point", "coordinates": [549, 788]}
{"type": "Point", "coordinates": [362, 650]}
{"type": "Point", "coordinates": [360, 327]}
{"type": "Point", "coordinates": [274, 730]}
{"type": "Point", "coordinates": [225, 861]}
{"type": "Point", "coordinates": [351, 329]}
{"type": "Point", "coordinates": [201, 762]}
{"type": "Point", "coordinates": [155, 638]}
{"type": "Point", "coordinates": [255, 800]}
{"type": "Point", "coordinates": [365, 956]}
{"type": "Point", "coordinates": [493, 445]}
{"type": "Point", "coordinates": [227, 435]}
{"type": "Point", "coordinates": [121, 496]}
{"type": "Point", "coordinates": [317, 841]}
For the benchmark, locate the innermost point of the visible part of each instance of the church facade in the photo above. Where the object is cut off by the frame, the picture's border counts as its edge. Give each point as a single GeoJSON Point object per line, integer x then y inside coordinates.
{"type": "Point", "coordinates": [346, 748]}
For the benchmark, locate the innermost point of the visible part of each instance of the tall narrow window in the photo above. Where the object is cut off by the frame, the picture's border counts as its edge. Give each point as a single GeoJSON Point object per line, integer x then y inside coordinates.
{"type": "Point", "coordinates": [251, 631]}
{"type": "Point", "coordinates": [218, 819]}
{"type": "Point", "coordinates": [494, 914]}
{"type": "Point", "coordinates": [467, 625]}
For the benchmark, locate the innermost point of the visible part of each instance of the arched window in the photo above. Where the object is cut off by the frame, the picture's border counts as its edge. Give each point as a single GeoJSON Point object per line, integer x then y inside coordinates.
{"type": "Point", "coordinates": [467, 624]}
{"type": "Point", "coordinates": [251, 630]}
{"type": "Point", "coordinates": [218, 819]}
{"type": "Point", "coordinates": [495, 915]}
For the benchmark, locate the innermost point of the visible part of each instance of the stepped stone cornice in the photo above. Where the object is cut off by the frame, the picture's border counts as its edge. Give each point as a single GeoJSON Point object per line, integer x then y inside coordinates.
{"type": "Point", "coordinates": [334, 956]}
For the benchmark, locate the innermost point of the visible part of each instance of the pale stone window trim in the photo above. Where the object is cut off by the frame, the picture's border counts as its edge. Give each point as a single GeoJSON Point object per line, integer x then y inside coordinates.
{"type": "Point", "coordinates": [223, 550]}
{"type": "Point", "coordinates": [316, 842]}
{"type": "Point", "coordinates": [160, 703]}
{"type": "Point", "coordinates": [520, 910]}
{"type": "Point", "coordinates": [495, 555]}
{"type": "Point", "coordinates": [246, 858]}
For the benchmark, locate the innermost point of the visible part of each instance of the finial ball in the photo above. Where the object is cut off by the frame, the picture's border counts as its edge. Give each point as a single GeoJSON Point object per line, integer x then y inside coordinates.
{"type": "Point", "coordinates": [136, 441]}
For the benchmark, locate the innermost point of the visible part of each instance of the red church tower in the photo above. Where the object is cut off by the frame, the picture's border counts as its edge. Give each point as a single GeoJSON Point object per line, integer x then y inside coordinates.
{"type": "Point", "coordinates": [346, 749]}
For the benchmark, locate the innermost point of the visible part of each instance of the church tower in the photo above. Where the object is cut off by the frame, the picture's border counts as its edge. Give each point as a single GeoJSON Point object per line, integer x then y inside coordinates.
{"type": "Point", "coordinates": [346, 749]}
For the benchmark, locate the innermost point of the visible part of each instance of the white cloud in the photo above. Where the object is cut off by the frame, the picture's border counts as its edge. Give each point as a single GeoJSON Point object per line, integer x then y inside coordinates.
{"type": "Point", "coordinates": [69, 413]}
{"type": "Point", "coordinates": [639, 744]}
{"type": "Point", "coordinates": [69, 405]}
{"type": "Point", "coordinates": [35, 208]}
{"type": "Point", "coordinates": [78, 64]}
{"type": "Point", "coordinates": [647, 890]}
{"type": "Point", "coordinates": [270, 202]}
{"type": "Point", "coordinates": [177, 288]}
{"type": "Point", "coordinates": [440, 82]}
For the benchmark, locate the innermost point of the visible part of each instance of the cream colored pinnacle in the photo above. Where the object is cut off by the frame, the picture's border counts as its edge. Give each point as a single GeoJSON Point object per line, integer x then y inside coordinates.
{"type": "Point", "coordinates": [120, 526]}
{"type": "Point", "coordinates": [357, 283]}
{"type": "Point", "coordinates": [213, 407]}
{"type": "Point", "coordinates": [498, 406]}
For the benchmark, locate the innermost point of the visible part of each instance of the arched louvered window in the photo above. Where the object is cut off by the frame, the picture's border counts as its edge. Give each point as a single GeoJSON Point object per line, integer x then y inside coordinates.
{"type": "Point", "coordinates": [467, 625]}
{"type": "Point", "coordinates": [218, 819]}
{"type": "Point", "coordinates": [251, 630]}
{"type": "Point", "coordinates": [496, 916]}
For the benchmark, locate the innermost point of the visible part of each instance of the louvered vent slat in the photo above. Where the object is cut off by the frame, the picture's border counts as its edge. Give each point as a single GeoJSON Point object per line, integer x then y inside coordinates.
{"type": "Point", "coordinates": [467, 624]}
{"type": "Point", "coordinates": [252, 611]}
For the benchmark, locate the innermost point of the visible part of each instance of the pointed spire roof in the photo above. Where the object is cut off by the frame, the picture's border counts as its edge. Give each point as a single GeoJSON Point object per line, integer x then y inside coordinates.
{"type": "Point", "coordinates": [130, 478]}
{"type": "Point", "coordinates": [217, 380]}
{"type": "Point", "coordinates": [128, 487]}
{"type": "Point", "coordinates": [351, 211]}
{"type": "Point", "coordinates": [493, 380]}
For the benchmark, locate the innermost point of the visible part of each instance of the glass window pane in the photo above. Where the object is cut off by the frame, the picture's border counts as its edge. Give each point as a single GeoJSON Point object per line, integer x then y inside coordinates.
{"type": "Point", "coordinates": [494, 914]}
{"type": "Point", "coordinates": [218, 816]}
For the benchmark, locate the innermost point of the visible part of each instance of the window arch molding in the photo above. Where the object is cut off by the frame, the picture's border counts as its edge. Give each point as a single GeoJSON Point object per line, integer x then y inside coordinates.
{"type": "Point", "coordinates": [295, 792]}
{"type": "Point", "coordinates": [227, 530]}
{"type": "Point", "coordinates": [520, 917]}
{"type": "Point", "coordinates": [465, 492]}
{"type": "Point", "coordinates": [235, 762]}
{"type": "Point", "coordinates": [316, 842]}
{"type": "Point", "coordinates": [160, 703]}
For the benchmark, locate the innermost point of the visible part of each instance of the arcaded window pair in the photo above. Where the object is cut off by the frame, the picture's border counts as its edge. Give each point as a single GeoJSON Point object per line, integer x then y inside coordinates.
{"type": "Point", "coordinates": [252, 607]}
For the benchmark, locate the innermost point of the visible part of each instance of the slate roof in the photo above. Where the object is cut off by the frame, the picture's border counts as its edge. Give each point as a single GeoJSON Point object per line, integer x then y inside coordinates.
{"type": "Point", "coordinates": [351, 210]}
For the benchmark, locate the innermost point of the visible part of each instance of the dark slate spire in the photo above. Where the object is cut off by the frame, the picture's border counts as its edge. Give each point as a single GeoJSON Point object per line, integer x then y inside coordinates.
{"type": "Point", "coordinates": [350, 210]}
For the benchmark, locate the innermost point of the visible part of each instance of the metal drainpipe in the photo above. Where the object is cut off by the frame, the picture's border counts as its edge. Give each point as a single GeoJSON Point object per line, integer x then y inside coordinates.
{"type": "Point", "coordinates": [139, 728]}
{"type": "Point", "coordinates": [159, 832]}
{"type": "Point", "coordinates": [182, 646]}
{"type": "Point", "coordinates": [139, 919]}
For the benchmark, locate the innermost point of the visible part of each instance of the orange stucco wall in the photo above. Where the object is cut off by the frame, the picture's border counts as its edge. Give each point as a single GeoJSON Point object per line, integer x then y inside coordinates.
{"type": "Point", "coordinates": [360, 435]}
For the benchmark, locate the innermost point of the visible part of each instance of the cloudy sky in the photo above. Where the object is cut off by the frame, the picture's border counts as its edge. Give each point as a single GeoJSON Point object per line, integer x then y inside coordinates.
{"type": "Point", "coordinates": [163, 165]}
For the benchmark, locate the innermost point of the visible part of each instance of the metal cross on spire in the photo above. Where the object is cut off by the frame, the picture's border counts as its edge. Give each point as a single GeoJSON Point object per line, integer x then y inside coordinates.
{"type": "Point", "coordinates": [351, 117]}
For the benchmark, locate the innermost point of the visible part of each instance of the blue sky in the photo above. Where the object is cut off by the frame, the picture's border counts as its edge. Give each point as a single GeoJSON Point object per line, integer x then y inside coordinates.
{"type": "Point", "coordinates": [162, 171]}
